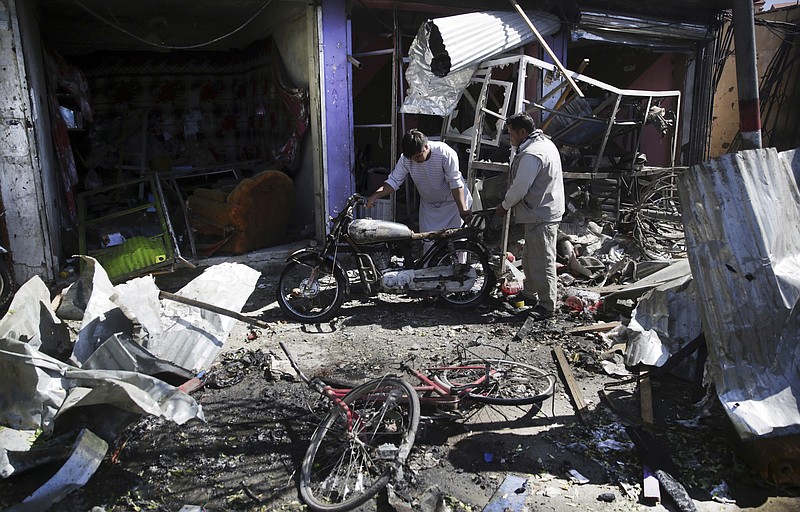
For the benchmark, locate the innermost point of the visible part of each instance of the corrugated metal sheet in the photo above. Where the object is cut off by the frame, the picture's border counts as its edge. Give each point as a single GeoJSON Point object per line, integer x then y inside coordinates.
{"type": "Point", "coordinates": [741, 212]}
{"type": "Point", "coordinates": [455, 45]}
{"type": "Point", "coordinates": [638, 31]}
{"type": "Point", "coordinates": [458, 42]}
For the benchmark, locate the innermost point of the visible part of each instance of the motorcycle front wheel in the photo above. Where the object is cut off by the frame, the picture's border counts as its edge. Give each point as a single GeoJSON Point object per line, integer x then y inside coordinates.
{"type": "Point", "coordinates": [472, 254]}
{"type": "Point", "coordinates": [308, 294]}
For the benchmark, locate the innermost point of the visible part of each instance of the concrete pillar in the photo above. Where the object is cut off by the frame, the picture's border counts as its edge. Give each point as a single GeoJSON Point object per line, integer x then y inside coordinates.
{"type": "Point", "coordinates": [28, 187]}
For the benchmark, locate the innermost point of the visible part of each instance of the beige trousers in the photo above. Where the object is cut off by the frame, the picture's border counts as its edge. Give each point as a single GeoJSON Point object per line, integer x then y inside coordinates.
{"type": "Point", "coordinates": [539, 263]}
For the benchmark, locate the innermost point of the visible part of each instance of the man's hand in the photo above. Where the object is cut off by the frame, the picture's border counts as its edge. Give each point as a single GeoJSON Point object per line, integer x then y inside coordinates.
{"type": "Point", "coordinates": [500, 211]}
{"type": "Point", "coordinates": [370, 201]}
{"type": "Point", "coordinates": [465, 215]}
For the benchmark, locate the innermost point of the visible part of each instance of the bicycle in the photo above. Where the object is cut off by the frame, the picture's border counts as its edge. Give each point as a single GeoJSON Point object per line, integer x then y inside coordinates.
{"type": "Point", "coordinates": [368, 434]}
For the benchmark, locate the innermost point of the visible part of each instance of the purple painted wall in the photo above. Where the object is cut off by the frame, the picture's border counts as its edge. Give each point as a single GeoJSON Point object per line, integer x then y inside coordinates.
{"type": "Point", "coordinates": [337, 107]}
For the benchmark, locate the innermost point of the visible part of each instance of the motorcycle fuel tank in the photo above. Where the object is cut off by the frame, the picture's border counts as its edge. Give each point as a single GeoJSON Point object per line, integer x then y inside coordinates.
{"type": "Point", "coordinates": [366, 231]}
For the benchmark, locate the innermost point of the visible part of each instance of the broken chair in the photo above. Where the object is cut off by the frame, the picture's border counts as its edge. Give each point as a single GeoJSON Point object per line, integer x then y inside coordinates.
{"type": "Point", "coordinates": [251, 216]}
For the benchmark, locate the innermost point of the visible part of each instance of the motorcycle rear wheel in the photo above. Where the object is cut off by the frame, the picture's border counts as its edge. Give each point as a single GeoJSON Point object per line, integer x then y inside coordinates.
{"type": "Point", "coordinates": [477, 258]}
{"type": "Point", "coordinates": [310, 302]}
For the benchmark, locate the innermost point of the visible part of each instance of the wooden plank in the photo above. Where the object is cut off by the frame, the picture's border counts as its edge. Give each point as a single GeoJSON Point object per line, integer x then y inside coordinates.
{"type": "Point", "coordinates": [651, 490]}
{"type": "Point", "coordinates": [214, 309]}
{"type": "Point", "coordinates": [646, 400]}
{"type": "Point", "coordinates": [547, 49]}
{"type": "Point", "coordinates": [607, 326]}
{"type": "Point", "coordinates": [572, 385]}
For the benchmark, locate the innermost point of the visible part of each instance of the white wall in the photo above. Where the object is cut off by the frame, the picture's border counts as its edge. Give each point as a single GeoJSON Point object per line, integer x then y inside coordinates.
{"type": "Point", "coordinates": [291, 38]}
{"type": "Point", "coordinates": [28, 185]}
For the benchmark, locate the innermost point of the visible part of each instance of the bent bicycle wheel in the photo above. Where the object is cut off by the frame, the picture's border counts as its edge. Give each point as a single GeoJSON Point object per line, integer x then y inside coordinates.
{"type": "Point", "coordinates": [351, 459]}
{"type": "Point", "coordinates": [501, 382]}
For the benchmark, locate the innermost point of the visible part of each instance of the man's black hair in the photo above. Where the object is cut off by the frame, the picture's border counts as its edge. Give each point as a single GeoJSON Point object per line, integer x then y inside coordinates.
{"type": "Point", "coordinates": [413, 142]}
{"type": "Point", "coordinates": [523, 120]}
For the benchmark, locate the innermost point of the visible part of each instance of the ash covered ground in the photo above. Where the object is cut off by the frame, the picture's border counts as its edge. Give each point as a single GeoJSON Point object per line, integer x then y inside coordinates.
{"type": "Point", "coordinates": [259, 420]}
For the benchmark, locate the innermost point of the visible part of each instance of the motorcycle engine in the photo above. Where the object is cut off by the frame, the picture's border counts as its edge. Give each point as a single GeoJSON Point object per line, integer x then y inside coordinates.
{"type": "Point", "coordinates": [396, 280]}
{"type": "Point", "coordinates": [434, 279]}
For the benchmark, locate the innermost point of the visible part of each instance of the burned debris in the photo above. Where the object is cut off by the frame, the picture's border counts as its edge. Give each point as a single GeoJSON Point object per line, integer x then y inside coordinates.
{"type": "Point", "coordinates": [673, 346]}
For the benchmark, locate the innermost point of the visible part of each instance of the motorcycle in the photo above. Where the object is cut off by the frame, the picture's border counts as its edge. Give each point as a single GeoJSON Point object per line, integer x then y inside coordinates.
{"type": "Point", "coordinates": [453, 265]}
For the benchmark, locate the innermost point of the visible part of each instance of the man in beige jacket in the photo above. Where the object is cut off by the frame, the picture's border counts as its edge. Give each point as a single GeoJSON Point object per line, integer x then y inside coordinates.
{"type": "Point", "coordinates": [536, 195]}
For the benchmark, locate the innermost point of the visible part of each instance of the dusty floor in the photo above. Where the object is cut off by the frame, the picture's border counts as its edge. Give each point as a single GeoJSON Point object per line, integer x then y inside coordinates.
{"type": "Point", "coordinates": [245, 457]}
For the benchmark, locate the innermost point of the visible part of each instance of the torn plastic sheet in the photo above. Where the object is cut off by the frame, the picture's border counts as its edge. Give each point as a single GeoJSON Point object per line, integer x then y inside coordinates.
{"type": "Point", "coordinates": [446, 51]}
{"type": "Point", "coordinates": [744, 250]}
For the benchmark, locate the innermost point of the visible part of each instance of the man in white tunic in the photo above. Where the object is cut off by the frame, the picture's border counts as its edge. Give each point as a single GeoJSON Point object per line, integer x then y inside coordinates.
{"type": "Point", "coordinates": [444, 200]}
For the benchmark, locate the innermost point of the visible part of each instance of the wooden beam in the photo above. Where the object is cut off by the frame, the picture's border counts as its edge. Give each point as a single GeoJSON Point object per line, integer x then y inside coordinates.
{"type": "Point", "coordinates": [564, 96]}
{"type": "Point", "coordinates": [214, 309]}
{"type": "Point", "coordinates": [646, 399]}
{"type": "Point", "coordinates": [650, 488]}
{"type": "Point", "coordinates": [572, 385]}
{"type": "Point", "coordinates": [547, 49]}
{"type": "Point", "coordinates": [583, 329]}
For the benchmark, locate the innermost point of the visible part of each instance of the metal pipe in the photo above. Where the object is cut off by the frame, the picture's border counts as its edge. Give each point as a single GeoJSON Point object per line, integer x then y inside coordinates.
{"type": "Point", "coordinates": [744, 36]}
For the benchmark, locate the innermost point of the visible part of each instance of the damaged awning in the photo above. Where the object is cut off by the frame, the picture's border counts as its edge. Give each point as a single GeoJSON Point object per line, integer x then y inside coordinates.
{"type": "Point", "coordinates": [637, 31]}
{"type": "Point", "coordinates": [446, 51]}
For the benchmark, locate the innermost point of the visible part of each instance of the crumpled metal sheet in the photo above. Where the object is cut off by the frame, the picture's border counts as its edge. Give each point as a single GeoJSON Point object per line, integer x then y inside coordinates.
{"type": "Point", "coordinates": [639, 31]}
{"type": "Point", "coordinates": [187, 336]}
{"type": "Point", "coordinates": [792, 159]}
{"type": "Point", "coordinates": [37, 388]}
{"type": "Point", "coordinates": [87, 454]}
{"type": "Point", "coordinates": [446, 52]}
{"type": "Point", "coordinates": [741, 213]}
{"type": "Point", "coordinates": [666, 318]}
{"type": "Point", "coordinates": [192, 337]}
{"type": "Point", "coordinates": [39, 326]}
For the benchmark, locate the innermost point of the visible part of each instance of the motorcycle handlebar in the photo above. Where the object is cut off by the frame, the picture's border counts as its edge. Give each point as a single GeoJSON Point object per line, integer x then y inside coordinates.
{"type": "Point", "coordinates": [358, 199]}
{"type": "Point", "coordinates": [478, 217]}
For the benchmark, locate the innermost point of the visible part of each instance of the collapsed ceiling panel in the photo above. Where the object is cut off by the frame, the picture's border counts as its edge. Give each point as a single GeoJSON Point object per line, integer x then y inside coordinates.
{"type": "Point", "coordinates": [458, 42]}
{"type": "Point", "coordinates": [638, 31]}
{"type": "Point", "coordinates": [446, 51]}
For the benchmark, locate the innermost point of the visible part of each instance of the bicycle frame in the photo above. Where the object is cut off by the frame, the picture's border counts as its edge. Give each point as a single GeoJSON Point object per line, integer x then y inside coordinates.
{"type": "Point", "coordinates": [369, 431]}
{"type": "Point", "coordinates": [431, 391]}
{"type": "Point", "coordinates": [434, 391]}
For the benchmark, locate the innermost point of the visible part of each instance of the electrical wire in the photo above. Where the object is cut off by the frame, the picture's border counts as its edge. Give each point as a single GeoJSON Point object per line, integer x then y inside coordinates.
{"type": "Point", "coordinates": [170, 47]}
